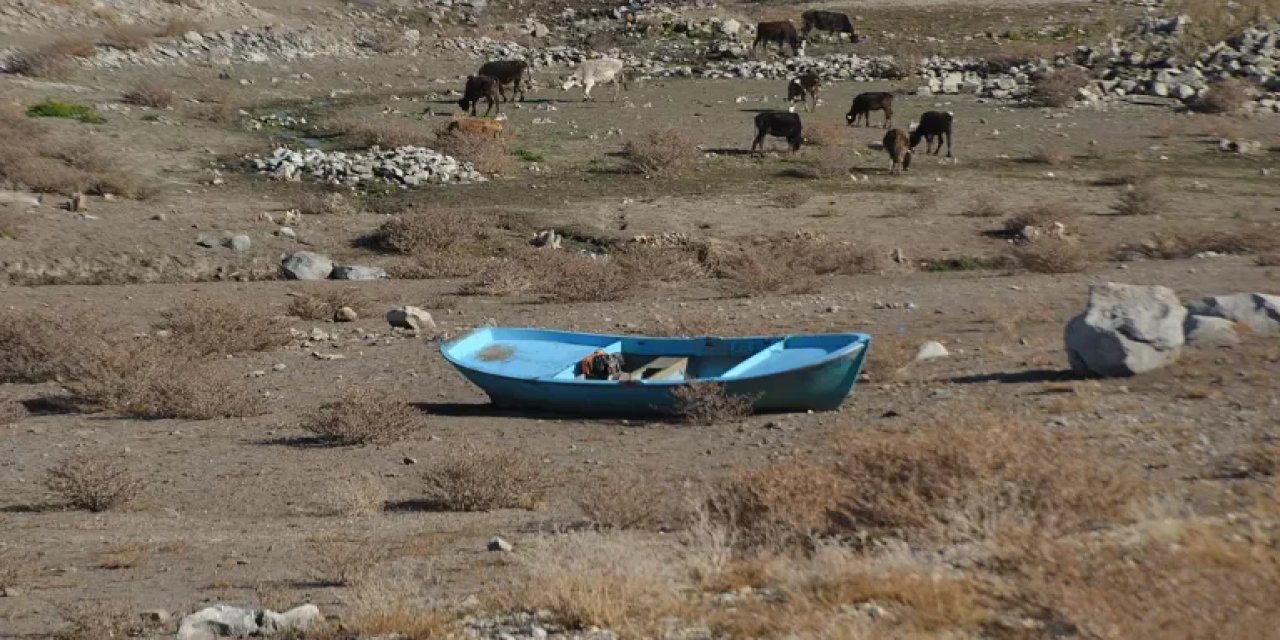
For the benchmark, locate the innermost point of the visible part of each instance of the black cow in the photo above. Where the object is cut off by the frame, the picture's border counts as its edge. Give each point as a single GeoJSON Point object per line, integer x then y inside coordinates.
{"type": "Point", "coordinates": [480, 88]}
{"type": "Point", "coordinates": [780, 33]}
{"type": "Point", "coordinates": [865, 103]}
{"type": "Point", "coordinates": [933, 125]}
{"type": "Point", "coordinates": [804, 88]}
{"type": "Point", "coordinates": [832, 21]}
{"type": "Point", "coordinates": [779, 124]}
{"type": "Point", "coordinates": [508, 72]}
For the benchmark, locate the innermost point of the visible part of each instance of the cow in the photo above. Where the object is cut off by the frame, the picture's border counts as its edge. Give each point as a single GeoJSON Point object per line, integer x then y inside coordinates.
{"type": "Point", "coordinates": [933, 125]}
{"type": "Point", "coordinates": [598, 71]}
{"type": "Point", "coordinates": [898, 147]}
{"type": "Point", "coordinates": [831, 21]}
{"type": "Point", "coordinates": [865, 103]}
{"type": "Point", "coordinates": [804, 88]}
{"type": "Point", "coordinates": [780, 124]}
{"type": "Point", "coordinates": [476, 126]}
{"type": "Point", "coordinates": [508, 72]}
{"type": "Point", "coordinates": [780, 33]}
{"type": "Point", "coordinates": [480, 88]}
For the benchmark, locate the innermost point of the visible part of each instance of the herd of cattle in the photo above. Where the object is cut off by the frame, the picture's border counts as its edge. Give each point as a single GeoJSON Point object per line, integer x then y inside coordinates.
{"type": "Point", "coordinates": [491, 82]}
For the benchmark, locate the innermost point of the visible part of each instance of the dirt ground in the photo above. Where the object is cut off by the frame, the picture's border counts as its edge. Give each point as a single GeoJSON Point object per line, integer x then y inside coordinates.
{"type": "Point", "coordinates": [233, 505]}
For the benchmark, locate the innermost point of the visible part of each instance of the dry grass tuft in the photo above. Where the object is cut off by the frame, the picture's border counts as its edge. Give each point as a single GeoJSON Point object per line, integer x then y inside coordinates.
{"type": "Point", "coordinates": [218, 105]}
{"type": "Point", "coordinates": [1177, 246]}
{"type": "Point", "coordinates": [889, 358]}
{"type": "Point", "coordinates": [489, 153]}
{"type": "Point", "coordinates": [330, 203]}
{"type": "Point", "coordinates": [652, 265]}
{"type": "Point", "coordinates": [790, 197]}
{"type": "Point", "coordinates": [388, 134]}
{"type": "Point", "coordinates": [1051, 256]}
{"type": "Point", "coordinates": [361, 495]}
{"type": "Point", "coordinates": [150, 93]}
{"type": "Point", "coordinates": [177, 26]}
{"type": "Point", "coordinates": [688, 324]}
{"type": "Point", "coordinates": [826, 135]}
{"type": "Point", "coordinates": [579, 277]}
{"type": "Point", "coordinates": [1050, 155]}
{"type": "Point", "coordinates": [128, 37]}
{"type": "Point", "coordinates": [100, 621]}
{"type": "Point", "coordinates": [344, 561]}
{"type": "Point", "coordinates": [94, 482]}
{"type": "Point", "coordinates": [630, 500]}
{"type": "Point", "coordinates": [788, 264]}
{"type": "Point", "coordinates": [499, 278]}
{"type": "Point", "coordinates": [205, 326]}
{"type": "Point", "coordinates": [13, 223]}
{"type": "Point", "coordinates": [30, 159]}
{"type": "Point", "coordinates": [663, 152]}
{"type": "Point", "coordinates": [467, 478]}
{"type": "Point", "coordinates": [779, 506]}
{"type": "Point", "coordinates": [984, 205]}
{"type": "Point", "coordinates": [382, 608]}
{"type": "Point", "coordinates": [15, 569]}
{"type": "Point", "coordinates": [37, 347]}
{"type": "Point", "coordinates": [1141, 196]}
{"type": "Point", "coordinates": [11, 411]}
{"type": "Point", "coordinates": [1041, 217]}
{"type": "Point", "coordinates": [428, 232]}
{"type": "Point", "coordinates": [1271, 259]}
{"type": "Point", "coordinates": [705, 404]}
{"type": "Point", "coordinates": [1228, 95]}
{"type": "Point", "coordinates": [362, 416]}
{"type": "Point", "coordinates": [49, 62]}
{"type": "Point", "coordinates": [1059, 88]}
{"type": "Point", "coordinates": [127, 555]}
{"type": "Point", "coordinates": [386, 41]}
{"type": "Point", "coordinates": [321, 303]}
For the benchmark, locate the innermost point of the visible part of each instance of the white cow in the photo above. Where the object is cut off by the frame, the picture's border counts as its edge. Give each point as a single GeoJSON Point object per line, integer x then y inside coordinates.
{"type": "Point", "coordinates": [593, 72]}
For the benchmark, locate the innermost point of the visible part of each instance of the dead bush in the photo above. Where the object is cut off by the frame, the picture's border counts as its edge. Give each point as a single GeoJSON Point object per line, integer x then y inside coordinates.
{"type": "Point", "coordinates": [1228, 95]}
{"type": "Point", "coordinates": [45, 62]}
{"type": "Point", "coordinates": [663, 152]}
{"type": "Point", "coordinates": [362, 416]}
{"type": "Point", "coordinates": [568, 276]}
{"type": "Point", "coordinates": [502, 277]}
{"type": "Point", "coordinates": [888, 358]}
{"type": "Point", "coordinates": [343, 561]}
{"type": "Point", "coordinates": [74, 45]}
{"type": "Point", "coordinates": [1050, 155]}
{"type": "Point", "coordinates": [789, 264]}
{"type": "Point", "coordinates": [829, 162]}
{"type": "Point", "coordinates": [984, 205]}
{"type": "Point", "coordinates": [150, 93]}
{"type": "Point", "coordinates": [11, 411]}
{"type": "Point", "coordinates": [101, 621]}
{"type": "Point", "coordinates": [1181, 245]}
{"type": "Point", "coordinates": [15, 569]}
{"type": "Point", "coordinates": [332, 203]}
{"type": "Point", "coordinates": [688, 324]}
{"type": "Point", "coordinates": [126, 555]}
{"type": "Point", "coordinates": [204, 326]}
{"type": "Point", "coordinates": [33, 161]}
{"type": "Point", "coordinates": [489, 153]}
{"type": "Point", "coordinates": [826, 135]}
{"type": "Point", "coordinates": [432, 231]}
{"type": "Point", "coordinates": [705, 404]}
{"type": "Point", "coordinates": [219, 106]}
{"type": "Point", "coordinates": [629, 500]}
{"type": "Point", "coordinates": [1051, 256]}
{"type": "Point", "coordinates": [359, 495]}
{"type": "Point", "coordinates": [38, 347]}
{"type": "Point", "coordinates": [468, 478]}
{"type": "Point", "coordinates": [780, 506]}
{"type": "Point", "coordinates": [127, 37]}
{"type": "Point", "coordinates": [762, 273]}
{"type": "Point", "coordinates": [94, 482]}
{"type": "Point", "coordinates": [1060, 87]}
{"type": "Point", "coordinates": [650, 264]}
{"type": "Point", "coordinates": [377, 607]}
{"type": "Point", "coordinates": [790, 197]}
{"type": "Point", "coordinates": [1141, 196]}
{"type": "Point", "coordinates": [368, 132]}
{"type": "Point", "coordinates": [323, 302]}
{"type": "Point", "coordinates": [1041, 217]}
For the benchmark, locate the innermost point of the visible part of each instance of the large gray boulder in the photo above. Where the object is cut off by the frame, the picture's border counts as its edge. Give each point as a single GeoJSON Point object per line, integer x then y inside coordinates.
{"type": "Point", "coordinates": [1209, 332]}
{"type": "Point", "coordinates": [1258, 311]}
{"type": "Point", "coordinates": [306, 265]}
{"type": "Point", "coordinates": [1126, 330]}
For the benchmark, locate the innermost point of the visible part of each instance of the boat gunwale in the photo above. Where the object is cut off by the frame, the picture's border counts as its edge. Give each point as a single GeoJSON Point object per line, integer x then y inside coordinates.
{"type": "Point", "coordinates": [862, 340]}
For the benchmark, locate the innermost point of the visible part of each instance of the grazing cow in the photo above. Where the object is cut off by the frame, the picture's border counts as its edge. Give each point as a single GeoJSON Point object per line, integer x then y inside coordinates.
{"type": "Point", "coordinates": [508, 72]}
{"type": "Point", "coordinates": [598, 71]}
{"type": "Point", "coordinates": [780, 124]}
{"type": "Point", "coordinates": [476, 126]}
{"type": "Point", "coordinates": [865, 103]}
{"type": "Point", "coordinates": [480, 88]}
{"type": "Point", "coordinates": [832, 21]}
{"type": "Point", "coordinates": [933, 125]}
{"type": "Point", "coordinates": [780, 33]}
{"type": "Point", "coordinates": [804, 88]}
{"type": "Point", "coordinates": [898, 147]}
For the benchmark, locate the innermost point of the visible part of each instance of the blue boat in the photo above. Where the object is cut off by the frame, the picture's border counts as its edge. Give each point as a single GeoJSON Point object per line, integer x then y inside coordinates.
{"type": "Point", "coordinates": [572, 372]}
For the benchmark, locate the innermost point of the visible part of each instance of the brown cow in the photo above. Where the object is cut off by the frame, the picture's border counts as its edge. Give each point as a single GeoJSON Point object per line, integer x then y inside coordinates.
{"type": "Point", "coordinates": [898, 146]}
{"type": "Point", "coordinates": [865, 103]}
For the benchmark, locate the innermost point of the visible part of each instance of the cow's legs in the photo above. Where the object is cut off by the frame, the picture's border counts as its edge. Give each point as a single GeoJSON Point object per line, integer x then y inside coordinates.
{"type": "Point", "coordinates": [586, 89]}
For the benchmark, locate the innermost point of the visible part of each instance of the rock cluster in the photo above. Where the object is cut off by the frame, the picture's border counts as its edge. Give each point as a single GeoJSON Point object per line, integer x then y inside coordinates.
{"type": "Point", "coordinates": [233, 46]}
{"type": "Point", "coordinates": [402, 166]}
{"type": "Point", "coordinates": [225, 621]}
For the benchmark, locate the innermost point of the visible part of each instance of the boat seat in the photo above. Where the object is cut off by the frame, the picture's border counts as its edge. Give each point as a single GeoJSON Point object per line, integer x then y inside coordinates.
{"type": "Point", "coordinates": [667, 368]}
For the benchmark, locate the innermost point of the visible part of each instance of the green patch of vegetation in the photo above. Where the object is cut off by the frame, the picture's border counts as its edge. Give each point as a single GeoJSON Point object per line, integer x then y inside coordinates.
{"type": "Point", "coordinates": [51, 108]}
{"type": "Point", "coordinates": [966, 263]}
{"type": "Point", "coordinates": [529, 155]}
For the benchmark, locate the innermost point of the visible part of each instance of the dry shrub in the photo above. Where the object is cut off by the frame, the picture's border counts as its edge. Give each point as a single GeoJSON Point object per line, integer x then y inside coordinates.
{"type": "Point", "coordinates": [149, 92]}
{"type": "Point", "coordinates": [42, 165]}
{"type": "Point", "coordinates": [128, 37]}
{"type": "Point", "coordinates": [650, 264]}
{"type": "Point", "coordinates": [177, 26]}
{"type": "Point", "coordinates": [1268, 260]}
{"type": "Point", "coordinates": [359, 495]}
{"type": "Point", "coordinates": [101, 621]}
{"type": "Point", "coordinates": [385, 41]}
{"type": "Point", "coordinates": [790, 197]}
{"type": "Point", "coordinates": [984, 205]}
{"type": "Point", "coordinates": [566, 276]}
{"type": "Point", "coordinates": [1141, 196]}
{"type": "Point", "coordinates": [12, 223]}
{"type": "Point", "coordinates": [1050, 155]}
{"type": "Point", "coordinates": [662, 152]}
{"type": "Point", "coordinates": [1051, 256]}
{"type": "Point", "coordinates": [205, 326]}
{"type": "Point", "coordinates": [40, 347]}
{"type": "Point", "coordinates": [752, 273]}
{"type": "Point", "coordinates": [907, 59]}
{"type": "Point", "coordinates": [363, 416]}
{"type": "Point", "coordinates": [95, 482]}
{"type": "Point", "coordinates": [1177, 246]}
{"type": "Point", "coordinates": [426, 232]}
{"type": "Point", "coordinates": [779, 506]}
{"type": "Point", "coordinates": [1228, 95]}
{"type": "Point", "coordinates": [11, 411]}
{"type": "Point", "coordinates": [127, 555]}
{"type": "Point", "coordinates": [367, 132]}
{"type": "Point", "coordinates": [1212, 21]}
{"type": "Point", "coordinates": [1220, 127]}
{"type": "Point", "coordinates": [321, 303]}
{"type": "Point", "coordinates": [830, 161]}
{"type": "Point", "coordinates": [45, 62]}
{"type": "Point", "coordinates": [75, 45]}
{"type": "Point", "coordinates": [1060, 87]}
{"type": "Point", "coordinates": [488, 152]}
{"type": "Point", "coordinates": [630, 500]}
{"type": "Point", "coordinates": [331, 203]}
{"type": "Point", "coordinates": [15, 569]}
{"type": "Point", "coordinates": [688, 324]}
{"type": "Point", "coordinates": [467, 478]}
{"type": "Point", "coordinates": [889, 357]}
{"type": "Point", "coordinates": [218, 106]}
{"type": "Point", "coordinates": [343, 560]}
{"type": "Point", "coordinates": [1041, 217]}
{"type": "Point", "coordinates": [706, 404]}
{"type": "Point", "coordinates": [616, 581]}
{"type": "Point", "coordinates": [826, 135]}
{"type": "Point", "coordinates": [503, 277]}
{"type": "Point", "coordinates": [378, 607]}
{"type": "Point", "coordinates": [788, 264]}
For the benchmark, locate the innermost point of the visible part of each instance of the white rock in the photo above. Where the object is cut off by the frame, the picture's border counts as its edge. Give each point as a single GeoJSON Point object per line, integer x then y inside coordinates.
{"type": "Point", "coordinates": [1126, 330]}
{"type": "Point", "coordinates": [410, 318]}
{"type": "Point", "coordinates": [930, 350]}
{"type": "Point", "coordinates": [306, 265]}
{"type": "Point", "coordinates": [218, 621]}
{"type": "Point", "coordinates": [1207, 331]}
{"type": "Point", "coordinates": [1259, 312]}
{"type": "Point", "coordinates": [498, 544]}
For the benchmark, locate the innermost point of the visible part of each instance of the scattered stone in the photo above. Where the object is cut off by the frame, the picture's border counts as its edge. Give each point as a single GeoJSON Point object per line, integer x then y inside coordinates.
{"type": "Point", "coordinates": [345, 314]}
{"type": "Point", "coordinates": [1208, 331]}
{"type": "Point", "coordinates": [353, 272]}
{"type": "Point", "coordinates": [306, 265]}
{"type": "Point", "coordinates": [238, 243]}
{"type": "Point", "coordinates": [403, 166]}
{"type": "Point", "coordinates": [930, 350]}
{"type": "Point", "coordinates": [1259, 312]}
{"type": "Point", "coordinates": [287, 232]}
{"type": "Point", "coordinates": [498, 544]}
{"type": "Point", "coordinates": [410, 318]}
{"type": "Point", "coordinates": [218, 621]}
{"type": "Point", "coordinates": [1126, 330]}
